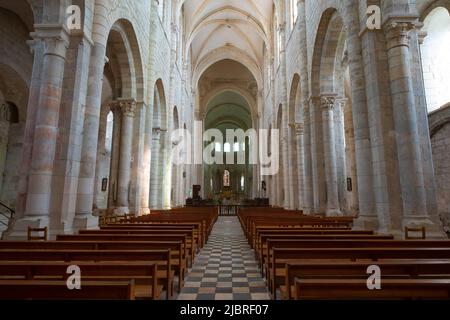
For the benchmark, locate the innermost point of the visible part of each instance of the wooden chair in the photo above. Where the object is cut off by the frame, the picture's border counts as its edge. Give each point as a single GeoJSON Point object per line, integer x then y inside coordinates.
{"type": "Point", "coordinates": [31, 237]}
{"type": "Point", "coordinates": [421, 230]}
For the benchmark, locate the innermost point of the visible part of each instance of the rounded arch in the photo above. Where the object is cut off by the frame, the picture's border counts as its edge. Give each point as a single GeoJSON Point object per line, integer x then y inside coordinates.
{"type": "Point", "coordinates": [324, 55]}
{"type": "Point", "coordinates": [432, 6]}
{"type": "Point", "coordinates": [122, 45]}
{"type": "Point", "coordinates": [441, 119]}
{"type": "Point", "coordinates": [233, 88]}
{"type": "Point", "coordinates": [14, 89]}
{"type": "Point", "coordinates": [230, 53]}
{"type": "Point", "coordinates": [434, 54]}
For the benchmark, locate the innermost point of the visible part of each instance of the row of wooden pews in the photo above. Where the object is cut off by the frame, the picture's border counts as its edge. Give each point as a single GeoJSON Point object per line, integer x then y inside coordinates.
{"type": "Point", "coordinates": [312, 257]}
{"type": "Point", "coordinates": [134, 258]}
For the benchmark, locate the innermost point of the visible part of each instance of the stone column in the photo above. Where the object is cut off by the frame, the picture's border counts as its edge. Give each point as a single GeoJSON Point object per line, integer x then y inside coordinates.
{"type": "Point", "coordinates": [317, 156]}
{"type": "Point", "coordinates": [406, 125]}
{"type": "Point", "coordinates": [128, 109]}
{"type": "Point", "coordinates": [329, 146]}
{"type": "Point", "coordinates": [308, 204]}
{"type": "Point", "coordinates": [307, 182]}
{"type": "Point", "coordinates": [155, 192]}
{"type": "Point", "coordinates": [38, 199]}
{"type": "Point", "coordinates": [86, 179]}
{"type": "Point", "coordinates": [299, 137]}
{"type": "Point", "coordinates": [37, 47]}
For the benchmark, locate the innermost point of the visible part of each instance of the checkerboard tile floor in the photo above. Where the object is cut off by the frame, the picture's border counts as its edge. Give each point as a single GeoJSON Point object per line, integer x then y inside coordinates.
{"type": "Point", "coordinates": [226, 268]}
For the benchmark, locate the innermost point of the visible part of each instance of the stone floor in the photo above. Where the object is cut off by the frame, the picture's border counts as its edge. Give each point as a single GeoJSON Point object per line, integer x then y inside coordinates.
{"type": "Point", "coordinates": [226, 268]}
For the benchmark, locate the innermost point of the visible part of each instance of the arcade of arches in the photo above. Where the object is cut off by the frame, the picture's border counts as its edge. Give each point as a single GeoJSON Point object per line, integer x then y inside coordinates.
{"type": "Point", "coordinates": [87, 116]}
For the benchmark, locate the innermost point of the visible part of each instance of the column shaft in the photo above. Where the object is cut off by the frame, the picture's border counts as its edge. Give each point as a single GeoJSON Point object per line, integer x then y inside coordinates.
{"type": "Point", "coordinates": [328, 104]}
{"type": "Point", "coordinates": [128, 108]}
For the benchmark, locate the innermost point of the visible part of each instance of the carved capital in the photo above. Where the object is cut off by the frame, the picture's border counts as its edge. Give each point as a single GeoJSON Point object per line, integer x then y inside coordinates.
{"type": "Point", "coordinates": [328, 102]}
{"type": "Point", "coordinates": [127, 107]}
{"type": "Point", "coordinates": [397, 33]}
{"type": "Point", "coordinates": [54, 37]}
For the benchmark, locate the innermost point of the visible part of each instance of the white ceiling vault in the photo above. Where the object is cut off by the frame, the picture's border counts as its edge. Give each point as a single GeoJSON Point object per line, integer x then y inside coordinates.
{"type": "Point", "coordinates": [242, 27]}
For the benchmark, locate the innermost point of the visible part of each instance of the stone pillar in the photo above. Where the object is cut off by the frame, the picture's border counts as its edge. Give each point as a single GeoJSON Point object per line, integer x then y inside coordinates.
{"type": "Point", "coordinates": [155, 172]}
{"type": "Point", "coordinates": [86, 179]}
{"type": "Point", "coordinates": [308, 196]}
{"type": "Point", "coordinates": [292, 168]}
{"type": "Point", "coordinates": [55, 41]}
{"type": "Point", "coordinates": [308, 204]}
{"type": "Point", "coordinates": [317, 157]}
{"type": "Point", "coordinates": [329, 146]}
{"type": "Point", "coordinates": [362, 87]}
{"type": "Point", "coordinates": [299, 137]}
{"type": "Point", "coordinates": [406, 126]}
{"type": "Point", "coordinates": [128, 109]}
{"type": "Point", "coordinates": [115, 157]}
{"type": "Point", "coordinates": [37, 47]}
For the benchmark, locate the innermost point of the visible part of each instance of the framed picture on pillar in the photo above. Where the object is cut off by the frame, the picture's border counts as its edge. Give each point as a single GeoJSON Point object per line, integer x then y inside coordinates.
{"type": "Point", "coordinates": [349, 184]}
{"type": "Point", "coordinates": [104, 184]}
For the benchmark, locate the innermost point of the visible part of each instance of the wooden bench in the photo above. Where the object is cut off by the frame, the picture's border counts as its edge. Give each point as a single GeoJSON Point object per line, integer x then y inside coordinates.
{"type": "Point", "coordinates": [282, 256]}
{"type": "Point", "coordinates": [309, 289]}
{"type": "Point", "coordinates": [161, 257]}
{"type": "Point", "coordinates": [125, 235]}
{"type": "Point", "coordinates": [330, 269]}
{"type": "Point", "coordinates": [267, 241]}
{"type": "Point", "coordinates": [178, 257]}
{"type": "Point", "coordinates": [192, 239]}
{"type": "Point", "coordinates": [344, 242]}
{"type": "Point", "coordinates": [144, 274]}
{"type": "Point", "coordinates": [57, 290]}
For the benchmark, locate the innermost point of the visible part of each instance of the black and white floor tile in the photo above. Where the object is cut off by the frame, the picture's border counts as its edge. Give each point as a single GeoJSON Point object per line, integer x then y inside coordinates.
{"type": "Point", "coordinates": [226, 268]}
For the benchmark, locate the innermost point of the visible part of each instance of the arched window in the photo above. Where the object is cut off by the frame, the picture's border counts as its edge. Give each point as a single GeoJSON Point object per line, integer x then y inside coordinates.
{"type": "Point", "coordinates": [236, 147]}
{"type": "Point", "coordinates": [226, 147]}
{"type": "Point", "coordinates": [218, 147]}
{"type": "Point", "coordinates": [436, 64]}
{"type": "Point", "coordinates": [226, 178]}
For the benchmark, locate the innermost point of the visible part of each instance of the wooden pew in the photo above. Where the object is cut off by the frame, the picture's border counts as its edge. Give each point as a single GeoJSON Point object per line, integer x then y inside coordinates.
{"type": "Point", "coordinates": [57, 290]}
{"type": "Point", "coordinates": [281, 256]}
{"type": "Point", "coordinates": [332, 234]}
{"type": "Point", "coordinates": [144, 274]}
{"type": "Point", "coordinates": [161, 257]}
{"type": "Point", "coordinates": [127, 235]}
{"type": "Point", "coordinates": [357, 289]}
{"type": "Point", "coordinates": [178, 256]}
{"type": "Point", "coordinates": [196, 227]}
{"type": "Point", "coordinates": [331, 269]}
{"type": "Point", "coordinates": [193, 240]}
{"type": "Point", "coordinates": [267, 241]}
{"type": "Point", "coordinates": [278, 229]}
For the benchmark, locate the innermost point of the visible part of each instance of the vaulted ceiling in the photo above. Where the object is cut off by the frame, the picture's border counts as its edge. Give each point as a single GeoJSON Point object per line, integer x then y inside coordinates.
{"type": "Point", "coordinates": [242, 26]}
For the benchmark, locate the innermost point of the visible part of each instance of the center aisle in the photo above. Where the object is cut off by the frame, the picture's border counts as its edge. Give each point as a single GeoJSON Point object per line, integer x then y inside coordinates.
{"type": "Point", "coordinates": [226, 268]}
